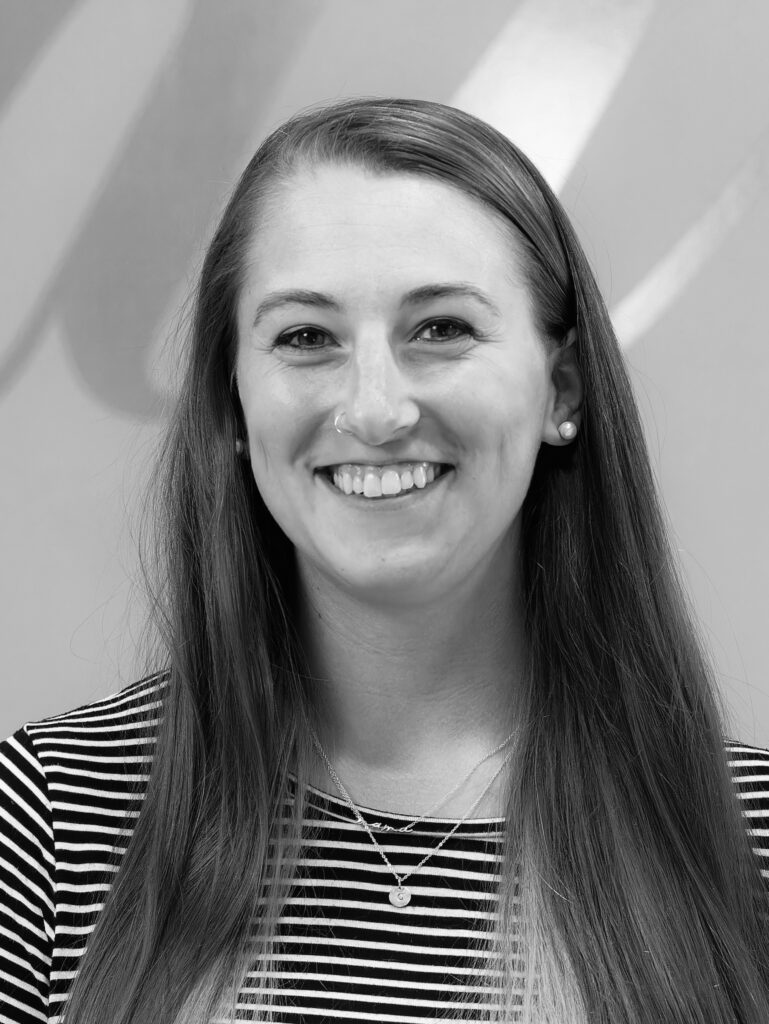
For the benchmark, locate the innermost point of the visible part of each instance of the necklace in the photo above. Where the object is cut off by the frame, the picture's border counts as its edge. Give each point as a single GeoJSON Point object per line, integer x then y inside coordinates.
{"type": "Point", "coordinates": [399, 895]}
{"type": "Point", "coordinates": [379, 827]}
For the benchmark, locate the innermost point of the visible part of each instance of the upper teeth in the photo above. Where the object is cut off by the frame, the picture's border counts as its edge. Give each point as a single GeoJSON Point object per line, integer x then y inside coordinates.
{"type": "Point", "coordinates": [376, 481]}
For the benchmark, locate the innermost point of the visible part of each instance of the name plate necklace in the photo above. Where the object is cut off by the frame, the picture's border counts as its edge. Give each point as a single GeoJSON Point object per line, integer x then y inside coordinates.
{"type": "Point", "coordinates": [399, 895]}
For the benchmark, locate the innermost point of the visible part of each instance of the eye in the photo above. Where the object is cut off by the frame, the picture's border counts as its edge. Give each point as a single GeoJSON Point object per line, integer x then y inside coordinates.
{"type": "Point", "coordinates": [305, 339]}
{"type": "Point", "coordinates": [458, 327]}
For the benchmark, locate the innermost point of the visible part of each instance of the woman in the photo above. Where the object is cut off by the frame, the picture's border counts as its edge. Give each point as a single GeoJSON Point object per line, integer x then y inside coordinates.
{"type": "Point", "coordinates": [435, 737]}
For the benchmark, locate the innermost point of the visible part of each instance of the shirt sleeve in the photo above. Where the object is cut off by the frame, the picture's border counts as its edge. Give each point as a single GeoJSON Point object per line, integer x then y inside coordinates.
{"type": "Point", "coordinates": [27, 866]}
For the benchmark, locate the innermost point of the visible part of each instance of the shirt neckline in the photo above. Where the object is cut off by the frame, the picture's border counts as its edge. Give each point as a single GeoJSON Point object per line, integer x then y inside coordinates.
{"type": "Point", "coordinates": [338, 808]}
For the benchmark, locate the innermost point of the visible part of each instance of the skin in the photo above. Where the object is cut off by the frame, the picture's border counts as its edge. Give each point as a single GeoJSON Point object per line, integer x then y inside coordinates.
{"type": "Point", "coordinates": [410, 606]}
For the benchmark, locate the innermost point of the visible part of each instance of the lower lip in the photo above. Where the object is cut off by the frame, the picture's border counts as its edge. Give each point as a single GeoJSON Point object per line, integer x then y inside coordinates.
{"type": "Point", "coordinates": [390, 501]}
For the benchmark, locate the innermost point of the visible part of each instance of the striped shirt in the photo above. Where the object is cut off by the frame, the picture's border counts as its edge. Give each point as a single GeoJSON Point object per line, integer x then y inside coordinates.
{"type": "Point", "coordinates": [68, 785]}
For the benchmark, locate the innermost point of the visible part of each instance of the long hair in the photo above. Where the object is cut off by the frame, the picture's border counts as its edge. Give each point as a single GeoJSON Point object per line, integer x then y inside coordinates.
{"type": "Point", "coordinates": [629, 892]}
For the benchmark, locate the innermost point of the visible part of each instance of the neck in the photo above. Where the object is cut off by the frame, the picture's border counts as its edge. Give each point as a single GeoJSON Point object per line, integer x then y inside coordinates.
{"type": "Point", "coordinates": [415, 695]}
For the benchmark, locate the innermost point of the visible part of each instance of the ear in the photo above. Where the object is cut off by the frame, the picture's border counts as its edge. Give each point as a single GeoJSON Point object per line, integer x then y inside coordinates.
{"type": "Point", "coordinates": [566, 390]}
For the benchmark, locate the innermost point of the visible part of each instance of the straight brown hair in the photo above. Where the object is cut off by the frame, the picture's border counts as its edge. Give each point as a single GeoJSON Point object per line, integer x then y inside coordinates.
{"type": "Point", "coordinates": [629, 893]}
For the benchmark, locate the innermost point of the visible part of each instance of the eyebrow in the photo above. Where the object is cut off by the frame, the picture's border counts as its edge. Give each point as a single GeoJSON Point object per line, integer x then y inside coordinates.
{"type": "Point", "coordinates": [426, 292]}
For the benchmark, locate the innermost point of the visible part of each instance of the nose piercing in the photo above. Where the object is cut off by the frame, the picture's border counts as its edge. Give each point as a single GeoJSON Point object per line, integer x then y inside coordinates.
{"type": "Point", "coordinates": [337, 424]}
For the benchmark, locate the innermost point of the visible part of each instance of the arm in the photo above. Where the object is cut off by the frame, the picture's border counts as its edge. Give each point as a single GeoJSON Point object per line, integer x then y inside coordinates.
{"type": "Point", "coordinates": [27, 866]}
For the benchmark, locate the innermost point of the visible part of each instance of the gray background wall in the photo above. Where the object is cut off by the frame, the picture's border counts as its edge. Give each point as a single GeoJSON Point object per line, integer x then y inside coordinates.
{"type": "Point", "coordinates": [124, 125]}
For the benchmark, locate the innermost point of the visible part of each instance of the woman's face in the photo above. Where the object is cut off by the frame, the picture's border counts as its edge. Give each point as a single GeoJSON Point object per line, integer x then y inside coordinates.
{"type": "Point", "coordinates": [431, 380]}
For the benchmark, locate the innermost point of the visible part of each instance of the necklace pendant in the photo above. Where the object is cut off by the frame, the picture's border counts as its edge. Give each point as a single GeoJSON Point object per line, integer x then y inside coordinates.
{"type": "Point", "coordinates": [400, 896]}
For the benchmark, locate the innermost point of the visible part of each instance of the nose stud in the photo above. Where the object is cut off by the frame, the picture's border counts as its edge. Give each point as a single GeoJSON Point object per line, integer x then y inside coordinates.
{"type": "Point", "coordinates": [338, 424]}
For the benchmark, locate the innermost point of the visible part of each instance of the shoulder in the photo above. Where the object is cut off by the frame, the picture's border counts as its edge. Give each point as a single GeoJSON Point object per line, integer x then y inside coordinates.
{"type": "Point", "coordinates": [749, 769]}
{"type": "Point", "coordinates": [102, 727]}
{"type": "Point", "coordinates": [70, 788]}
{"type": "Point", "coordinates": [75, 781]}
{"type": "Point", "coordinates": [747, 763]}
{"type": "Point", "coordinates": [93, 752]}
{"type": "Point", "coordinates": [49, 766]}
{"type": "Point", "coordinates": [132, 703]}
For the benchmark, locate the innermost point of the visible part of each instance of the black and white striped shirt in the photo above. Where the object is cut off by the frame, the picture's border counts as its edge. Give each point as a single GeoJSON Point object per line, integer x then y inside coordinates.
{"type": "Point", "coordinates": [67, 786]}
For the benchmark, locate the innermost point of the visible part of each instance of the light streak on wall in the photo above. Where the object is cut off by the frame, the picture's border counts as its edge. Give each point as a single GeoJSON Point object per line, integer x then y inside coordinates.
{"type": "Point", "coordinates": [547, 79]}
{"type": "Point", "coordinates": [656, 292]}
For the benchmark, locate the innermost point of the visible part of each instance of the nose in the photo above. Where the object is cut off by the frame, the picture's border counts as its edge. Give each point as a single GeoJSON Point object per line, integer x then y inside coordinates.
{"type": "Point", "coordinates": [379, 402]}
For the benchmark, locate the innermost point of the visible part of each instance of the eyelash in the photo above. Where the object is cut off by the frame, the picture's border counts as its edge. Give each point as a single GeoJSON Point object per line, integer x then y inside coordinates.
{"type": "Point", "coordinates": [284, 340]}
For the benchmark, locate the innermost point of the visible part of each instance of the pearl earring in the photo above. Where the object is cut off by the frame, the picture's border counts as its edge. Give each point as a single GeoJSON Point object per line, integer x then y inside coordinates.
{"type": "Point", "coordinates": [240, 447]}
{"type": "Point", "coordinates": [567, 430]}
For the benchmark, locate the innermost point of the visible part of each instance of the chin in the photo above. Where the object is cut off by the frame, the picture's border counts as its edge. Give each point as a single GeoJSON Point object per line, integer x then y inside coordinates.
{"type": "Point", "coordinates": [404, 578]}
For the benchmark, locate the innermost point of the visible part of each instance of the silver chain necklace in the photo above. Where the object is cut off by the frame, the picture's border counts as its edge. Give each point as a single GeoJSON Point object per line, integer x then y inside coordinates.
{"type": "Point", "coordinates": [399, 895]}
{"type": "Point", "coordinates": [379, 827]}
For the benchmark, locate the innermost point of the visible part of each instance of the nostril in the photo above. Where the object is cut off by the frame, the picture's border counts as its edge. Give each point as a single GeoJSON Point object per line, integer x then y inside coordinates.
{"type": "Point", "coordinates": [376, 421]}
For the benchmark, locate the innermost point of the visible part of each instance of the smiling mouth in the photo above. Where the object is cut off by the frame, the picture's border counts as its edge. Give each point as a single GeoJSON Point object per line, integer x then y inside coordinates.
{"type": "Point", "coordinates": [368, 481]}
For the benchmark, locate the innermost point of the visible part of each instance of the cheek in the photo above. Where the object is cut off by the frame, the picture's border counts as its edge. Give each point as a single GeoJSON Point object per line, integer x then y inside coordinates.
{"type": "Point", "coordinates": [273, 448]}
{"type": "Point", "coordinates": [266, 437]}
{"type": "Point", "coordinates": [288, 496]}
{"type": "Point", "coordinates": [278, 417]}
{"type": "Point", "coordinates": [505, 426]}
{"type": "Point", "coordinates": [518, 445]}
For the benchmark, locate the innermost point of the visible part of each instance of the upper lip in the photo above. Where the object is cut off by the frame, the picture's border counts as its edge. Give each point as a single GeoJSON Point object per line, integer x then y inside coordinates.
{"type": "Point", "coordinates": [357, 461]}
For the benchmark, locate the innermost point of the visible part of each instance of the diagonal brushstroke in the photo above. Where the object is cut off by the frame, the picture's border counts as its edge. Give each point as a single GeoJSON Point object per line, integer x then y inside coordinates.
{"type": "Point", "coordinates": [655, 293]}
{"type": "Point", "coordinates": [547, 79]}
{"type": "Point", "coordinates": [61, 132]}
{"type": "Point", "coordinates": [185, 151]}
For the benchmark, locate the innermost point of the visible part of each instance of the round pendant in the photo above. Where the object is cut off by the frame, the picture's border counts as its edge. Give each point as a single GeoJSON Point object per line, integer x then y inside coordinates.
{"type": "Point", "coordinates": [400, 896]}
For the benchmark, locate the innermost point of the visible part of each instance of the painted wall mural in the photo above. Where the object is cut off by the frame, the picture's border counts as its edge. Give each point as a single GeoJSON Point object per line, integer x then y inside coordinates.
{"type": "Point", "coordinates": [124, 126]}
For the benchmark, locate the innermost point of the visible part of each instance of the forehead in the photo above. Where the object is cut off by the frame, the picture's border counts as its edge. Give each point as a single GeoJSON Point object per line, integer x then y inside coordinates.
{"type": "Point", "coordinates": [346, 219]}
